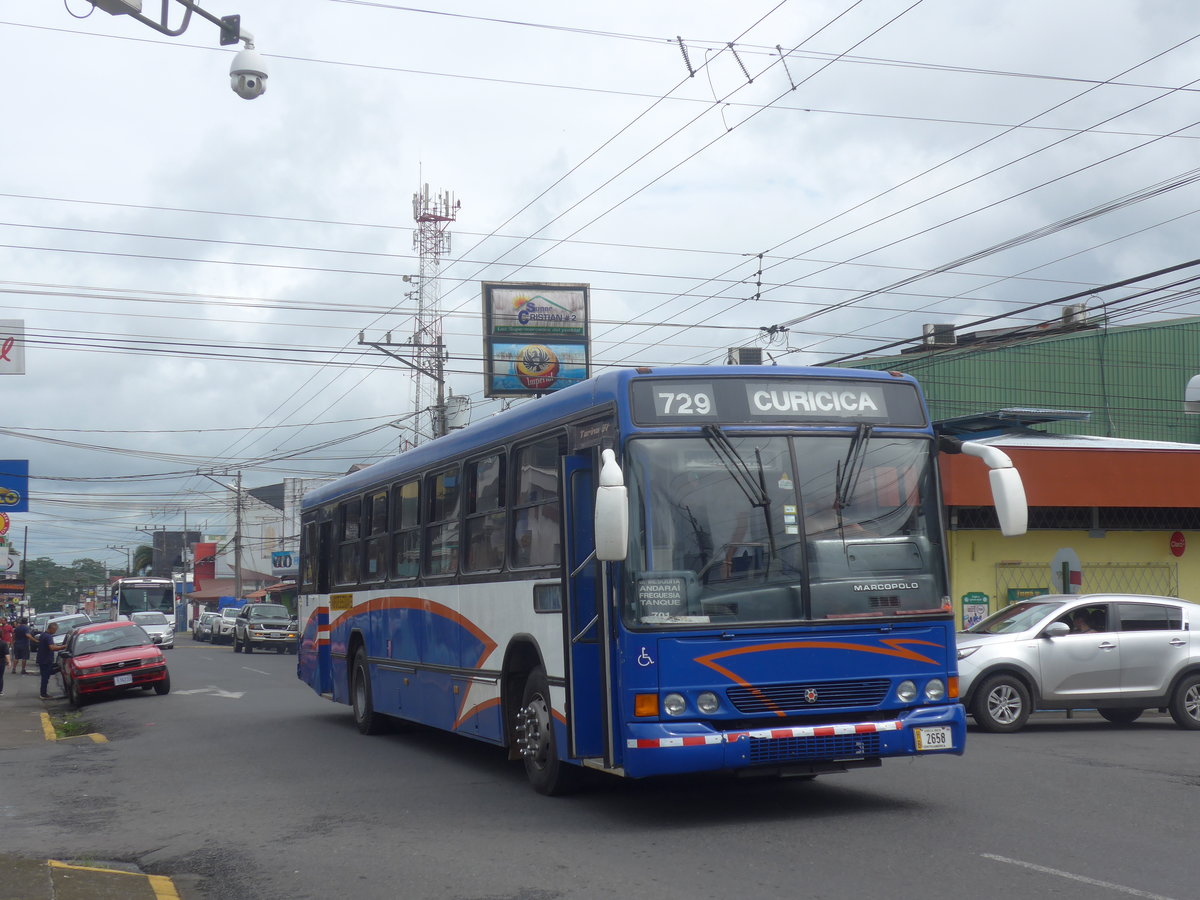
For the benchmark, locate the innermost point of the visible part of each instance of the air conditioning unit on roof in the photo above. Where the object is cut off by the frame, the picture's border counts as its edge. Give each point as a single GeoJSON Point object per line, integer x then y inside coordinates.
{"type": "Point", "coordinates": [938, 335]}
{"type": "Point", "coordinates": [744, 356]}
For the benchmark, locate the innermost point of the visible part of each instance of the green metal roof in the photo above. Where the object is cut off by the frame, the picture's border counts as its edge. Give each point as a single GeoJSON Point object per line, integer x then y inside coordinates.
{"type": "Point", "coordinates": [1131, 378]}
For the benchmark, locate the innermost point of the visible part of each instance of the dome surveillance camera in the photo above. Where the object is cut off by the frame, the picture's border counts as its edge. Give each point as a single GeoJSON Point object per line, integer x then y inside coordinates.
{"type": "Point", "coordinates": [248, 74]}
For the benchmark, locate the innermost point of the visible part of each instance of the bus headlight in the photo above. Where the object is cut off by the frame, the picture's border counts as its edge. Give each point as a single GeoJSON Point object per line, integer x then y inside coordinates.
{"type": "Point", "coordinates": [906, 691]}
{"type": "Point", "coordinates": [707, 703]}
{"type": "Point", "coordinates": [935, 690]}
{"type": "Point", "coordinates": [674, 704]}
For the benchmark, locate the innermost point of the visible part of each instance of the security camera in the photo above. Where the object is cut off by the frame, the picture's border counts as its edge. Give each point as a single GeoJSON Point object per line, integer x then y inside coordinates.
{"type": "Point", "coordinates": [248, 74]}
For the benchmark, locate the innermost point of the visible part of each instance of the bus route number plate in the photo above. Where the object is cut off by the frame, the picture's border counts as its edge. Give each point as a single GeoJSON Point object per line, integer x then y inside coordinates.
{"type": "Point", "coordinates": [937, 737]}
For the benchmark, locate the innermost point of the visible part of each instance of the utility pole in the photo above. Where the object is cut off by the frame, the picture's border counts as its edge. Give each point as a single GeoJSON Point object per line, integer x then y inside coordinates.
{"type": "Point", "coordinates": [237, 540]}
{"type": "Point", "coordinates": [431, 239]}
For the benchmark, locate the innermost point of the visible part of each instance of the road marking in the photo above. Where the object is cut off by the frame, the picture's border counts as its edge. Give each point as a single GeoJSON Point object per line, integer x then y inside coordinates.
{"type": "Point", "coordinates": [1083, 879]}
{"type": "Point", "coordinates": [215, 691]}
{"type": "Point", "coordinates": [259, 671]}
{"type": "Point", "coordinates": [163, 887]}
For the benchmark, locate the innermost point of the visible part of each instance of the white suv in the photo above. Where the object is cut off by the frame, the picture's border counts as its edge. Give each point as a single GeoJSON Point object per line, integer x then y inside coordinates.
{"type": "Point", "coordinates": [1119, 654]}
{"type": "Point", "coordinates": [222, 626]}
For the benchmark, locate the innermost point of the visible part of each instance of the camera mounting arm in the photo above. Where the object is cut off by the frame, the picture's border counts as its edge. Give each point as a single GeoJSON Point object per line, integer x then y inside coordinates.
{"type": "Point", "coordinates": [231, 29]}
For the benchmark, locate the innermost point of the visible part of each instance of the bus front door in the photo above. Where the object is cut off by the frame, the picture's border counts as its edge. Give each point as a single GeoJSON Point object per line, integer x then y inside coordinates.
{"type": "Point", "coordinates": [585, 618]}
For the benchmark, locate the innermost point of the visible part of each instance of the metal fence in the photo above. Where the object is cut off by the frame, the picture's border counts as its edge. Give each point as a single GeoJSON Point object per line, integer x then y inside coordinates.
{"type": "Point", "coordinates": [1018, 581]}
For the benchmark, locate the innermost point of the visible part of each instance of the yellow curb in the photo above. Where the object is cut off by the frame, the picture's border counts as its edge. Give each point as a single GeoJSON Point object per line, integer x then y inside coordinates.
{"type": "Point", "coordinates": [163, 887]}
{"type": "Point", "coordinates": [50, 735]}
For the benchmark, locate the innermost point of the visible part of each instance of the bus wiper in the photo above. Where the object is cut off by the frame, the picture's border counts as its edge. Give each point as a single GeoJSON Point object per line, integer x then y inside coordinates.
{"type": "Point", "coordinates": [755, 490]}
{"type": "Point", "coordinates": [848, 472]}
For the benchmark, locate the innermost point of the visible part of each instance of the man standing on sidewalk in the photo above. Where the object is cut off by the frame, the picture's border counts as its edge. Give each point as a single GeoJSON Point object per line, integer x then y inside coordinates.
{"type": "Point", "coordinates": [45, 656]}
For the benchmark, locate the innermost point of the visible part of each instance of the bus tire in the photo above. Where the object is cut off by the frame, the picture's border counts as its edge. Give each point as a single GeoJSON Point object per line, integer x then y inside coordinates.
{"type": "Point", "coordinates": [537, 743]}
{"type": "Point", "coordinates": [365, 717]}
{"type": "Point", "coordinates": [1001, 705]}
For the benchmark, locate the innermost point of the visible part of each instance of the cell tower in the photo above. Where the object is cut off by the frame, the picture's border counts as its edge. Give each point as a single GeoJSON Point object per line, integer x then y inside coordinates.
{"type": "Point", "coordinates": [431, 240]}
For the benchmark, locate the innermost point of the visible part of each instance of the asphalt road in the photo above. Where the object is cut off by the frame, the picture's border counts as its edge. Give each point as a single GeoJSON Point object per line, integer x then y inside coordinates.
{"type": "Point", "coordinates": [243, 785]}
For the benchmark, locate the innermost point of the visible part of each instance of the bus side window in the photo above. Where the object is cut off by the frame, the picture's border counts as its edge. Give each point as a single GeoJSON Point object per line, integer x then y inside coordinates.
{"type": "Point", "coordinates": [375, 559]}
{"type": "Point", "coordinates": [406, 530]}
{"type": "Point", "coordinates": [535, 535]}
{"type": "Point", "coordinates": [442, 532]}
{"type": "Point", "coordinates": [308, 557]}
{"type": "Point", "coordinates": [485, 514]}
{"type": "Point", "coordinates": [349, 529]}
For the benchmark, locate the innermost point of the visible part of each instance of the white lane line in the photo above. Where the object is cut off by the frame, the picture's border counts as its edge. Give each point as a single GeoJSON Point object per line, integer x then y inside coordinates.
{"type": "Point", "coordinates": [1083, 879]}
{"type": "Point", "coordinates": [259, 671]}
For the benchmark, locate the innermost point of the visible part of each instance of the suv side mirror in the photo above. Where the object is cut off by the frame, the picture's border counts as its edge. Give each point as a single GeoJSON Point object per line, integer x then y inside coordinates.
{"type": "Point", "coordinates": [1056, 629]}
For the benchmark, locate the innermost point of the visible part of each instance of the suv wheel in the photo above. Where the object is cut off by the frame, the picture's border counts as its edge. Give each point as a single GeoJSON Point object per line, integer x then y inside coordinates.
{"type": "Point", "coordinates": [1001, 704]}
{"type": "Point", "coordinates": [1185, 703]}
{"type": "Point", "coordinates": [237, 647]}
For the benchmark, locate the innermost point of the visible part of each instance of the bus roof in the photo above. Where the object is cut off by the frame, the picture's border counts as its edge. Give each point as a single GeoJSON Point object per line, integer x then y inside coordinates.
{"type": "Point", "coordinates": [554, 408]}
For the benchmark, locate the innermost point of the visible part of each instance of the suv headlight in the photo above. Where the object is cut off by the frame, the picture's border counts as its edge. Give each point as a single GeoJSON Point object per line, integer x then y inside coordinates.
{"type": "Point", "coordinates": [964, 652]}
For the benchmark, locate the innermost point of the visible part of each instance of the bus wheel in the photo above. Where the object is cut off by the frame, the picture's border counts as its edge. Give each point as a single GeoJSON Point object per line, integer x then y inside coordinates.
{"type": "Point", "coordinates": [365, 717]}
{"type": "Point", "coordinates": [537, 743]}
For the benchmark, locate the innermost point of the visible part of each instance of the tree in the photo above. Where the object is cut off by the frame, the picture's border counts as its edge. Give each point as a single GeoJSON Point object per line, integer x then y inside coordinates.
{"type": "Point", "coordinates": [49, 586]}
{"type": "Point", "coordinates": [143, 559]}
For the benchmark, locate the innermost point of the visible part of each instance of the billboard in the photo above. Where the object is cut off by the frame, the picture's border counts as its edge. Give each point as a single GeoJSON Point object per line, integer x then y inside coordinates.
{"type": "Point", "coordinates": [536, 337]}
{"type": "Point", "coordinates": [14, 485]}
{"type": "Point", "coordinates": [12, 347]}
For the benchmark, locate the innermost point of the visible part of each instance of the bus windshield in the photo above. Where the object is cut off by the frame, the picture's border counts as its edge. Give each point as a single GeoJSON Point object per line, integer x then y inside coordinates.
{"type": "Point", "coordinates": [146, 597]}
{"type": "Point", "coordinates": [728, 528]}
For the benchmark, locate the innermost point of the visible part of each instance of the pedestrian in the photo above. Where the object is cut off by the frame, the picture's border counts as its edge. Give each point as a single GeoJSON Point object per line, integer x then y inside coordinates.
{"type": "Point", "coordinates": [6, 630]}
{"type": "Point", "coordinates": [20, 646]}
{"type": "Point", "coordinates": [45, 656]}
{"type": "Point", "coordinates": [3, 661]}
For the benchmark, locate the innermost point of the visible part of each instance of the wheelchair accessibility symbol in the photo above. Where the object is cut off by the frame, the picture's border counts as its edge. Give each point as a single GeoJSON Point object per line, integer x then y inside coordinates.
{"type": "Point", "coordinates": [644, 659]}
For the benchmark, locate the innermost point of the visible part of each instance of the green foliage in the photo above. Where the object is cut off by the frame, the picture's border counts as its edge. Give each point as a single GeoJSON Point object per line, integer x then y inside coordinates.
{"type": "Point", "coordinates": [49, 586]}
{"type": "Point", "coordinates": [71, 725]}
{"type": "Point", "coordinates": [143, 559]}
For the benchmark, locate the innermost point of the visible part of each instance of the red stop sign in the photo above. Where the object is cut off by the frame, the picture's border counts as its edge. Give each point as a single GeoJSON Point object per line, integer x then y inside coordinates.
{"type": "Point", "coordinates": [1178, 543]}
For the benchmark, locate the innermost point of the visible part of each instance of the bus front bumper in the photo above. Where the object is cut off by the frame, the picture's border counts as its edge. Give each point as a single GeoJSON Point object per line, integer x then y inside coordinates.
{"type": "Point", "coordinates": [665, 748]}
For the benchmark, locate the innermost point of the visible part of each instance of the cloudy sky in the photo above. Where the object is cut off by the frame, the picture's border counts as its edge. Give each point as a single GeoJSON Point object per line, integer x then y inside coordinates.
{"type": "Point", "coordinates": [194, 269]}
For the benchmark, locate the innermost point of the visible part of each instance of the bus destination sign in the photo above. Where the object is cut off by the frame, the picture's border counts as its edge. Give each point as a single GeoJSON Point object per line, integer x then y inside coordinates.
{"type": "Point", "coordinates": [757, 401]}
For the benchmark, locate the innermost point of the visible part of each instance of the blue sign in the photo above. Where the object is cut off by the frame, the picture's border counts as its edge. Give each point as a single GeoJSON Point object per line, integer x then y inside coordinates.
{"type": "Point", "coordinates": [14, 485]}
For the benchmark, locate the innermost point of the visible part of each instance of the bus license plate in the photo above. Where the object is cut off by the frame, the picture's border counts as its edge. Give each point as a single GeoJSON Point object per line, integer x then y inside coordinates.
{"type": "Point", "coordinates": [128, 679]}
{"type": "Point", "coordinates": [938, 737]}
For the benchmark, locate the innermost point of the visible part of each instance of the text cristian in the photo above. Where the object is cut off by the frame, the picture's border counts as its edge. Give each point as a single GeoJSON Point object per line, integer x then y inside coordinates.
{"type": "Point", "coordinates": [814, 401]}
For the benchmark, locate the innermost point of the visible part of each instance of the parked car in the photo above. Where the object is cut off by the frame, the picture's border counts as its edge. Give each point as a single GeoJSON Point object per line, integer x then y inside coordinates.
{"type": "Point", "coordinates": [264, 625]}
{"type": "Point", "coordinates": [156, 624]}
{"type": "Point", "coordinates": [222, 625]}
{"type": "Point", "coordinates": [66, 624]}
{"type": "Point", "coordinates": [203, 629]}
{"type": "Point", "coordinates": [111, 656]}
{"type": "Point", "coordinates": [1120, 654]}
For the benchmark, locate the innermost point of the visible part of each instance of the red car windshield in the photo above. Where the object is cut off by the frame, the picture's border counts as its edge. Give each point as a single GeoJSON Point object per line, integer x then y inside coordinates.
{"type": "Point", "coordinates": [110, 639]}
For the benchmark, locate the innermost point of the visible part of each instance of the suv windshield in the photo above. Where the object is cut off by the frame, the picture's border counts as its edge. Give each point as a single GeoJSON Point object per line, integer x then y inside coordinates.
{"type": "Point", "coordinates": [765, 528]}
{"type": "Point", "coordinates": [268, 612]}
{"type": "Point", "coordinates": [1018, 617]}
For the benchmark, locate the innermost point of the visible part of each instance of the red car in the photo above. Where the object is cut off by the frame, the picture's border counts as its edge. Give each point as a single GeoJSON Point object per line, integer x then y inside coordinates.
{"type": "Point", "coordinates": [111, 656]}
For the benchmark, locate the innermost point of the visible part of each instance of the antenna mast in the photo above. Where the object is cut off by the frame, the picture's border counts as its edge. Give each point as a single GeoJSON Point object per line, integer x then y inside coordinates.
{"type": "Point", "coordinates": [431, 239]}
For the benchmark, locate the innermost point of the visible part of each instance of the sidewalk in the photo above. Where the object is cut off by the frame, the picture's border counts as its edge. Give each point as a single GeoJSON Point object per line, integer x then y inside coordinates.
{"type": "Point", "coordinates": [23, 726]}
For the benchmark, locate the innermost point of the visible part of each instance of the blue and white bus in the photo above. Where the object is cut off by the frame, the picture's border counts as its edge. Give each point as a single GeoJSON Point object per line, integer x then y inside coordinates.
{"type": "Point", "coordinates": [655, 571]}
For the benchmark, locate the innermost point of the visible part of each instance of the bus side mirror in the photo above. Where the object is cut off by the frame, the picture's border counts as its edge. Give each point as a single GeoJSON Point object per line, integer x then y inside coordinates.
{"type": "Point", "coordinates": [1008, 491]}
{"type": "Point", "coordinates": [612, 511]}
